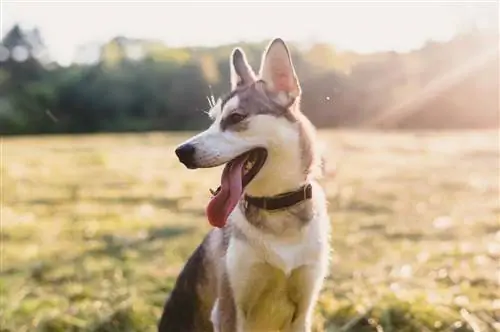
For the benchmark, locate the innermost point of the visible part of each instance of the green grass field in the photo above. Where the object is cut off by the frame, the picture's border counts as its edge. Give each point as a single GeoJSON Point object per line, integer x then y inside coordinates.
{"type": "Point", "coordinates": [96, 228]}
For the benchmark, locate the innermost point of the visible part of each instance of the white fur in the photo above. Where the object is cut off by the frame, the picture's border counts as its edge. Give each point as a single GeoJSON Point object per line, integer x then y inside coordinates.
{"type": "Point", "coordinates": [308, 247]}
{"type": "Point", "coordinates": [214, 317]}
{"type": "Point", "coordinates": [281, 138]}
{"type": "Point", "coordinates": [215, 147]}
{"type": "Point", "coordinates": [305, 248]}
{"type": "Point", "coordinates": [287, 253]}
{"type": "Point", "coordinates": [282, 172]}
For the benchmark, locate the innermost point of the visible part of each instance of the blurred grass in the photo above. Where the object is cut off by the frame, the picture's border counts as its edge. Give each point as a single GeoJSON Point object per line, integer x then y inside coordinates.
{"type": "Point", "coordinates": [95, 229]}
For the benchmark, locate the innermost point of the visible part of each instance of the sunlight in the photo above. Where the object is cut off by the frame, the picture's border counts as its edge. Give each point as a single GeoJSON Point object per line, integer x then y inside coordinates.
{"type": "Point", "coordinates": [434, 88]}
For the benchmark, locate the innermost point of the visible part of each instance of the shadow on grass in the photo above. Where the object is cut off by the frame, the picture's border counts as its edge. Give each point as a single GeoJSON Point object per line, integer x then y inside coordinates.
{"type": "Point", "coordinates": [157, 202]}
{"type": "Point", "coordinates": [113, 247]}
{"type": "Point", "coordinates": [398, 315]}
{"type": "Point", "coordinates": [122, 320]}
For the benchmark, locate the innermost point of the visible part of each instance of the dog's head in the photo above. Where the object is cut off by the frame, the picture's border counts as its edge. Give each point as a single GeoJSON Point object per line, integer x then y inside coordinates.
{"type": "Point", "coordinates": [257, 130]}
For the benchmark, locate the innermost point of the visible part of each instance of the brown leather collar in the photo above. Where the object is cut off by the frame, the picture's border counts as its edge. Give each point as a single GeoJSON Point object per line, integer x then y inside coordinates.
{"type": "Point", "coordinates": [281, 201]}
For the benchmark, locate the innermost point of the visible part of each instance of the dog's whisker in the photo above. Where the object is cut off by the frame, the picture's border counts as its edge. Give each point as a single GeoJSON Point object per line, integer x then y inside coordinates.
{"type": "Point", "coordinates": [210, 101]}
{"type": "Point", "coordinates": [212, 95]}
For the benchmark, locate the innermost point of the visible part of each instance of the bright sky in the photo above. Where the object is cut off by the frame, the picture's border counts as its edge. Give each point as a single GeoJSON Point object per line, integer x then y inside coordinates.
{"type": "Point", "coordinates": [359, 26]}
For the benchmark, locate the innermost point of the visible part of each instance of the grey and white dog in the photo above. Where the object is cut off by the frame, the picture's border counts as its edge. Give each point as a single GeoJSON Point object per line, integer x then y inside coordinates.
{"type": "Point", "coordinates": [262, 266]}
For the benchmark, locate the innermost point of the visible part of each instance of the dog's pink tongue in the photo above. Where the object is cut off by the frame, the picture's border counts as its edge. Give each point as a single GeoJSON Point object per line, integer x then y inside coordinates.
{"type": "Point", "coordinates": [223, 203]}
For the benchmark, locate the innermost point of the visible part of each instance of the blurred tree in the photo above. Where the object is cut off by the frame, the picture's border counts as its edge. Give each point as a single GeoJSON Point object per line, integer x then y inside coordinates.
{"type": "Point", "coordinates": [209, 68]}
{"type": "Point", "coordinates": [112, 53]}
{"type": "Point", "coordinates": [321, 56]}
{"type": "Point", "coordinates": [140, 85]}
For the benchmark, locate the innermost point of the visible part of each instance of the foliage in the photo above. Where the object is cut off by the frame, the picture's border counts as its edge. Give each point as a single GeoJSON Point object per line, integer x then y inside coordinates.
{"type": "Point", "coordinates": [141, 85]}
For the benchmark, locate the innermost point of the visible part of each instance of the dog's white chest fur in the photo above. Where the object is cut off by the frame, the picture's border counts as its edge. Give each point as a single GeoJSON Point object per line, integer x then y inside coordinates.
{"type": "Point", "coordinates": [302, 247]}
{"type": "Point", "coordinates": [288, 257]}
{"type": "Point", "coordinates": [273, 277]}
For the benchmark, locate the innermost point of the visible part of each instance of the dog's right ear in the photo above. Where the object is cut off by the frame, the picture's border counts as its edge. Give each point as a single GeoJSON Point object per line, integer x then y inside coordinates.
{"type": "Point", "coordinates": [241, 72]}
{"type": "Point", "coordinates": [278, 71]}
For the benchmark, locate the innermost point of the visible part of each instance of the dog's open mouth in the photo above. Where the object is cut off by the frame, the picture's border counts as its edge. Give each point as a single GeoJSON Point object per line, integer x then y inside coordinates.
{"type": "Point", "coordinates": [236, 175]}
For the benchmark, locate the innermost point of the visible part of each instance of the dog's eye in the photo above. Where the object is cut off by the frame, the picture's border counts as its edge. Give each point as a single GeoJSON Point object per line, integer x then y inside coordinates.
{"type": "Point", "coordinates": [236, 117]}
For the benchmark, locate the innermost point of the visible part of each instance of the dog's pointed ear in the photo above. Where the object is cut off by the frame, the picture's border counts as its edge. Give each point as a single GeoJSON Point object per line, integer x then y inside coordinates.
{"type": "Point", "coordinates": [241, 72]}
{"type": "Point", "coordinates": [277, 70]}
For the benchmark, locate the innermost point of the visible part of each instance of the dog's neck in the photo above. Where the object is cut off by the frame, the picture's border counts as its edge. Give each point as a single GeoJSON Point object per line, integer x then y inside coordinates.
{"type": "Point", "coordinates": [283, 170]}
{"type": "Point", "coordinates": [282, 173]}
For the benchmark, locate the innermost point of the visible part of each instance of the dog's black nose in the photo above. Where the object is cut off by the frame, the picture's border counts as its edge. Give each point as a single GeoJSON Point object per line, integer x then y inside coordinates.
{"type": "Point", "coordinates": [185, 153]}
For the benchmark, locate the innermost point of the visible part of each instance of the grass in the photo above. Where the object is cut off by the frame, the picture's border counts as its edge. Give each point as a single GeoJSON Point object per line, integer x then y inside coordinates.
{"type": "Point", "coordinates": [96, 228]}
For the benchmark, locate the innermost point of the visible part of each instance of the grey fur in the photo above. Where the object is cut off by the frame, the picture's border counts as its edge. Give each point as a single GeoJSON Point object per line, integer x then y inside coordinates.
{"type": "Point", "coordinates": [254, 99]}
{"type": "Point", "coordinates": [288, 219]}
{"type": "Point", "coordinates": [207, 275]}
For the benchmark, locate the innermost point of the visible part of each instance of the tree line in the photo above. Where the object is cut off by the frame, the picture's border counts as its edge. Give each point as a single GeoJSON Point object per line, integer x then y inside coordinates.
{"type": "Point", "coordinates": [143, 85]}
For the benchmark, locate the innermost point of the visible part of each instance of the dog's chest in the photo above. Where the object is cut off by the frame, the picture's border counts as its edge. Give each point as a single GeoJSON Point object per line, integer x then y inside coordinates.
{"type": "Point", "coordinates": [269, 274]}
{"type": "Point", "coordinates": [288, 257]}
{"type": "Point", "coordinates": [270, 301]}
{"type": "Point", "coordinates": [293, 248]}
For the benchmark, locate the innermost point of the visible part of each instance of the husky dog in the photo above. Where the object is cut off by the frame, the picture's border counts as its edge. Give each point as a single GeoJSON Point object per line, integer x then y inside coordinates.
{"type": "Point", "coordinates": [262, 266]}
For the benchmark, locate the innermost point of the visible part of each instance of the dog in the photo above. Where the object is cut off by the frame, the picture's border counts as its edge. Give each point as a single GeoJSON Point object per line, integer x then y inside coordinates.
{"type": "Point", "coordinates": [262, 266]}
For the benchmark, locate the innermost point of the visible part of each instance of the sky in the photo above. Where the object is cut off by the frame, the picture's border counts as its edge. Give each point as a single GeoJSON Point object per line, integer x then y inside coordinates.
{"type": "Point", "coordinates": [359, 26]}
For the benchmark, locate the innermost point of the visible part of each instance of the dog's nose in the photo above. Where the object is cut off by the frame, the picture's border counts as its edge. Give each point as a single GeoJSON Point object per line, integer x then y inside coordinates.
{"type": "Point", "coordinates": [185, 153]}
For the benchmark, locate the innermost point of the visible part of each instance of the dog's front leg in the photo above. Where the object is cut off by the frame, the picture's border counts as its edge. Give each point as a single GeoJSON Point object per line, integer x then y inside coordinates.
{"type": "Point", "coordinates": [307, 282]}
{"type": "Point", "coordinates": [240, 258]}
{"type": "Point", "coordinates": [224, 311]}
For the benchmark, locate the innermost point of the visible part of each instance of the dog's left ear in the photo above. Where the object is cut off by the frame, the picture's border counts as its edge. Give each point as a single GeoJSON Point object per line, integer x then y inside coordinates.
{"type": "Point", "coordinates": [241, 72]}
{"type": "Point", "coordinates": [278, 72]}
